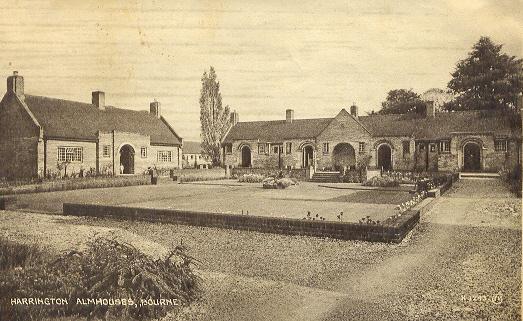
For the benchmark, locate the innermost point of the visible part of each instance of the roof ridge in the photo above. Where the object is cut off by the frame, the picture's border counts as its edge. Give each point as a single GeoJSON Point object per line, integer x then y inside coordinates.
{"type": "Point", "coordinates": [283, 120]}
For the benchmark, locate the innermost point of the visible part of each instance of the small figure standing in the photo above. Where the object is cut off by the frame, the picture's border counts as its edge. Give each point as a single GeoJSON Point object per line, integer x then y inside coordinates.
{"type": "Point", "coordinates": [121, 168]}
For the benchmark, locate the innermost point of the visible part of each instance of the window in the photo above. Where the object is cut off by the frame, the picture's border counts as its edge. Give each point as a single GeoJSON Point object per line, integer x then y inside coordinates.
{"type": "Point", "coordinates": [362, 147]}
{"type": "Point", "coordinates": [70, 154]}
{"type": "Point", "coordinates": [444, 146]}
{"type": "Point", "coordinates": [275, 149]}
{"type": "Point", "coordinates": [500, 145]}
{"type": "Point", "coordinates": [143, 152]}
{"type": "Point", "coordinates": [325, 148]}
{"type": "Point", "coordinates": [421, 147]}
{"type": "Point", "coordinates": [165, 156]}
{"type": "Point", "coordinates": [406, 147]}
{"type": "Point", "coordinates": [261, 148]}
{"type": "Point", "coordinates": [192, 156]}
{"type": "Point", "coordinates": [106, 151]}
{"type": "Point", "coordinates": [432, 147]}
{"type": "Point", "coordinates": [228, 148]}
{"type": "Point", "coordinates": [288, 148]}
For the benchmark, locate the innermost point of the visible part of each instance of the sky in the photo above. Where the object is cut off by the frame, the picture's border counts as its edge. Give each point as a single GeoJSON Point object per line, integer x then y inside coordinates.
{"type": "Point", "coordinates": [315, 57]}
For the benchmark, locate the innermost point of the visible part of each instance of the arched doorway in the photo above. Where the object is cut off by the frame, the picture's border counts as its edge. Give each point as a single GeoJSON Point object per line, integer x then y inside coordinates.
{"type": "Point", "coordinates": [127, 159]}
{"type": "Point", "coordinates": [246, 156]}
{"type": "Point", "coordinates": [308, 156]}
{"type": "Point", "coordinates": [385, 157]}
{"type": "Point", "coordinates": [343, 156]}
{"type": "Point", "coordinates": [471, 157]}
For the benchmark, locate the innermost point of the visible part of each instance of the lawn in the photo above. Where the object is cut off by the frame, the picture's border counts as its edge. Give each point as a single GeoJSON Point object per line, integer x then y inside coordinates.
{"type": "Point", "coordinates": [251, 199]}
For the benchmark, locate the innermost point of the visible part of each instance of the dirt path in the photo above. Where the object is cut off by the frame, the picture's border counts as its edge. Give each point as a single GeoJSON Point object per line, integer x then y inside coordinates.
{"type": "Point", "coordinates": [467, 247]}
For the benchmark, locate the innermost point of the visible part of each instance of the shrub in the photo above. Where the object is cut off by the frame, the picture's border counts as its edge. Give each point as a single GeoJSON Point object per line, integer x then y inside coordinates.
{"type": "Point", "coordinates": [251, 178]}
{"type": "Point", "coordinates": [107, 270]}
{"type": "Point", "coordinates": [278, 183]}
{"type": "Point", "coordinates": [15, 255]}
{"type": "Point", "coordinates": [382, 181]}
{"type": "Point", "coordinates": [513, 178]}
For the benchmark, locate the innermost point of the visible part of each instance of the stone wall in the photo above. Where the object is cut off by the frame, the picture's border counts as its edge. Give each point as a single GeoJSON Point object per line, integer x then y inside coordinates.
{"type": "Point", "coordinates": [393, 232]}
{"type": "Point", "coordinates": [53, 166]}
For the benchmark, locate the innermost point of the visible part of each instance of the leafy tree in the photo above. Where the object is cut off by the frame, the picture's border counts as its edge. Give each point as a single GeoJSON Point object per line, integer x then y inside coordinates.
{"type": "Point", "coordinates": [486, 79]}
{"type": "Point", "coordinates": [402, 101]}
{"type": "Point", "coordinates": [214, 117]}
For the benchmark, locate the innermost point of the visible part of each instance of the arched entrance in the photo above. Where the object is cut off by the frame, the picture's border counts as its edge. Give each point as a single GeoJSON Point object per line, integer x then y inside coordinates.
{"type": "Point", "coordinates": [343, 156]}
{"type": "Point", "coordinates": [127, 159]}
{"type": "Point", "coordinates": [385, 157]}
{"type": "Point", "coordinates": [246, 156]}
{"type": "Point", "coordinates": [308, 156]}
{"type": "Point", "coordinates": [471, 157]}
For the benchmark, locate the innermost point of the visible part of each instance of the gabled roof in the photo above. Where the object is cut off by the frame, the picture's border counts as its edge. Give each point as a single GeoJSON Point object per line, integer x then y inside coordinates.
{"type": "Point", "coordinates": [80, 121]}
{"type": "Point", "coordinates": [192, 147]}
{"type": "Point", "coordinates": [277, 130]}
{"type": "Point", "coordinates": [443, 125]}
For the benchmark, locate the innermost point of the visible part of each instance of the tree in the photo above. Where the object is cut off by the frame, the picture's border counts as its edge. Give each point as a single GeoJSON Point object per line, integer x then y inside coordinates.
{"type": "Point", "coordinates": [402, 101]}
{"type": "Point", "coordinates": [214, 118]}
{"type": "Point", "coordinates": [486, 79]}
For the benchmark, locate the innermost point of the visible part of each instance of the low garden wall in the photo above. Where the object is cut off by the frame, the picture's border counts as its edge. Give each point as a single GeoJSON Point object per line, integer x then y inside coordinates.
{"type": "Point", "coordinates": [297, 173]}
{"type": "Point", "coordinates": [76, 183]}
{"type": "Point", "coordinates": [391, 231]}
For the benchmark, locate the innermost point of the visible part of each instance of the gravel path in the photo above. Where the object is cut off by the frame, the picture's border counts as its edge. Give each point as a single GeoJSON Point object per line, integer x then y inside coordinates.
{"type": "Point", "coordinates": [464, 252]}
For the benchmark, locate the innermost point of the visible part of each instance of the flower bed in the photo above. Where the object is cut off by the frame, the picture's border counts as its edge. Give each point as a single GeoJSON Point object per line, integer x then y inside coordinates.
{"type": "Point", "coordinates": [251, 178]}
{"type": "Point", "coordinates": [382, 181]}
{"type": "Point", "coordinates": [76, 183]}
{"type": "Point", "coordinates": [278, 183]}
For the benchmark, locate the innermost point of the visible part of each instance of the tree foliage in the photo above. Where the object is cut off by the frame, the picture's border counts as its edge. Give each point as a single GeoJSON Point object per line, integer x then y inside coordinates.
{"type": "Point", "coordinates": [214, 117]}
{"type": "Point", "coordinates": [402, 101]}
{"type": "Point", "coordinates": [486, 79]}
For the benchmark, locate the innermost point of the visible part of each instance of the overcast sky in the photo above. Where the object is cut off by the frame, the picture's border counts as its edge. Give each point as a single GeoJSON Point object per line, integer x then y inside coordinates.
{"type": "Point", "coordinates": [312, 56]}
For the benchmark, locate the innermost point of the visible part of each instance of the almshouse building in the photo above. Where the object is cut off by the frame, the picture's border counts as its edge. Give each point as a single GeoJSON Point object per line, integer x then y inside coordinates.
{"type": "Point", "coordinates": [435, 141]}
{"type": "Point", "coordinates": [41, 136]}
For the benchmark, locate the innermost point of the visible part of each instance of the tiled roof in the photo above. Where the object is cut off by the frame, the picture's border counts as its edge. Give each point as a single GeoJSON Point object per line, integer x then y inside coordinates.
{"type": "Point", "coordinates": [76, 120]}
{"type": "Point", "coordinates": [192, 147]}
{"type": "Point", "coordinates": [419, 126]}
{"type": "Point", "coordinates": [277, 130]}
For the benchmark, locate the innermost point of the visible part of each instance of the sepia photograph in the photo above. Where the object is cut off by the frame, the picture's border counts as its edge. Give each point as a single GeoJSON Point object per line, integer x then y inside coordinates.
{"type": "Point", "coordinates": [227, 160]}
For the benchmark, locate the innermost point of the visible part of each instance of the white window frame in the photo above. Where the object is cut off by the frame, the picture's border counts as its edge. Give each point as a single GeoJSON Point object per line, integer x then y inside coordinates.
{"type": "Point", "coordinates": [261, 149]}
{"type": "Point", "coordinates": [500, 145]}
{"type": "Point", "coordinates": [404, 144]}
{"type": "Point", "coordinates": [70, 154]}
{"type": "Point", "coordinates": [444, 146]}
{"type": "Point", "coordinates": [325, 148]}
{"type": "Point", "coordinates": [143, 152]}
{"type": "Point", "coordinates": [361, 147]}
{"type": "Point", "coordinates": [106, 151]}
{"type": "Point", "coordinates": [164, 156]}
{"type": "Point", "coordinates": [288, 148]}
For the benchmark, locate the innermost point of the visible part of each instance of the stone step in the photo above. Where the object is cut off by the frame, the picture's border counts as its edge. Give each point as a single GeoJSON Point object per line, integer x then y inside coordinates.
{"type": "Point", "coordinates": [476, 175]}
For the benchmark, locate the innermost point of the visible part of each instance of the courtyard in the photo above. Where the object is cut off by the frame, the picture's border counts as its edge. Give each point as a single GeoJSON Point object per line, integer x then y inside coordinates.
{"type": "Point", "coordinates": [467, 247]}
{"type": "Point", "coordinates": [231, 197]}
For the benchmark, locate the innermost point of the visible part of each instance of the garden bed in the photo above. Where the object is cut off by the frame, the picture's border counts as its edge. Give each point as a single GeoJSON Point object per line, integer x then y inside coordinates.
{"type": "Point", "coordinates": [76, 183]}
{"type": "Point", "coordinates": [388, 231]}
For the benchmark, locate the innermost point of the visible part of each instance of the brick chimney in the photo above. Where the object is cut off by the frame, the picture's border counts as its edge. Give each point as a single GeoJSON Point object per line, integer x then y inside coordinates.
{"type": "Point", "coordinates": [155, 109]}
{"type": "Point", "coordinates": [99, 99]}
{"type": "Point", "coordinates": [430, 110]}
{"type": "Point", "coordinates": [354, 111]}
{"type": "Point", "coordinates": [15, 84]}
{"type": "Point", "coordinates": [289, 115]}
{"type": "Point", "coordinates": [234, 118]}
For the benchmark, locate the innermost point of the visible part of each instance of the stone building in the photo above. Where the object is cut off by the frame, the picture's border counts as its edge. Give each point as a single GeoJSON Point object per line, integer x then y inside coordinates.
{"type": "Point", "coordinates": [193, 157]}
{"type": "Point", "coordinates": [435, 141]}
{"type": "Point", "coordinates": [41, 136]}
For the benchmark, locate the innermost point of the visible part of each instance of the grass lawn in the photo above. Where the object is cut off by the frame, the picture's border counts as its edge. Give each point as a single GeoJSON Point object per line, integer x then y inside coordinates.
{"type": "Point", "coordinates": [374, 197]}
{"type": "Point", "coordinates": [293, 202]}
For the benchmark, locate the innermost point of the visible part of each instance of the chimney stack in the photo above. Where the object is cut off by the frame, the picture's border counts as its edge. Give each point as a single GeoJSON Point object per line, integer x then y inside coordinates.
{"type": "Point", "coordinates": [234, 118]}
{"type": "Point", "coordinates": [430, 110]}
{"type": "Point", "coordinates": [99, 99]}
{"type": "Point", "coordinates": [155, 109]}
{"type": "Point", "coordinates": [354, 111]}
{"type": "Point", "coordinates": [289, 115]}
{"type": "Point", "coordinates": [15, 84]}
